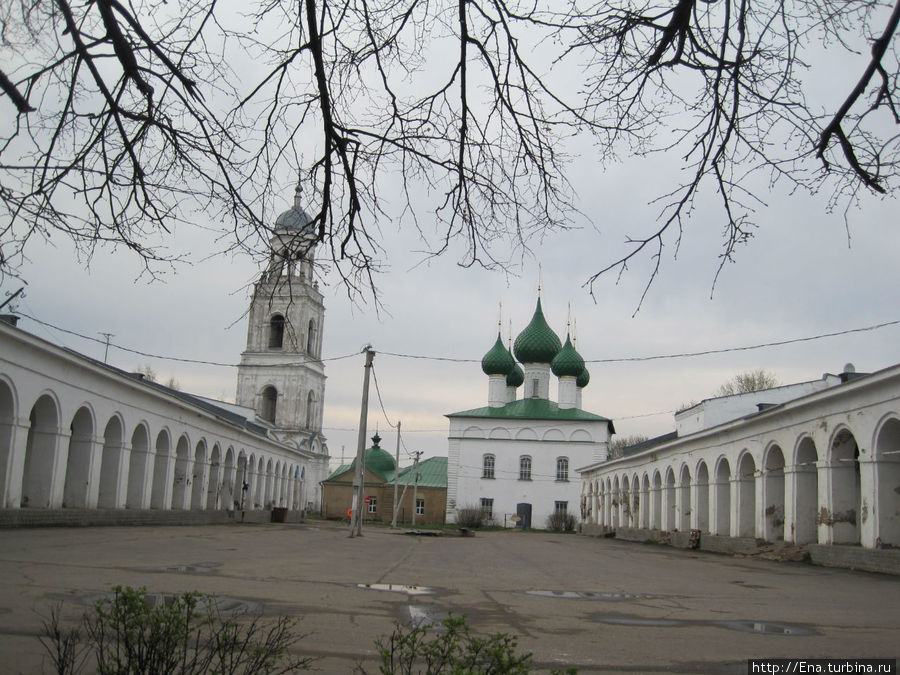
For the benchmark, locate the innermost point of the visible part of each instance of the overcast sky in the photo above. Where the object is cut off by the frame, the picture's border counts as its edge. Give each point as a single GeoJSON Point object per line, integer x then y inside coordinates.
{"type": "Point", "coordinates": [805, 273]}
{"type": "Point", "coordinates": [801, 276]}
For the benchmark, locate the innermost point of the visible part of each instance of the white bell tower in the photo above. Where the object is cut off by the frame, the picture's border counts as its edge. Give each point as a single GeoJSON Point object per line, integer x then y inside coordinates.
{"type": "Point", "coordinates": [280, 376]}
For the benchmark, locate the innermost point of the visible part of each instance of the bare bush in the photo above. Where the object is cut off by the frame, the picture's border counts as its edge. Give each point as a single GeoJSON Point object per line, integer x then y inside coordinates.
{"type": "Point", "coordinates": [561, 522]}
{"type": "Point", "coordinates": [470, 516]}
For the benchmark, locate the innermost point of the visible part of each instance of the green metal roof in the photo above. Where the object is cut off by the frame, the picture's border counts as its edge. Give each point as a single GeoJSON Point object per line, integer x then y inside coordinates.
{"type": "Point", "coordinates": [377, 460]}
{"type": "Point", "coordinates": [537, 343]}
{"type": "Point", "coordinates": [583, 379]}
{"type": "Point", "coordinates": [516, 376]}
{"type": "Point", "coordinates": [498, 361]}
{"type": "Point", "coordinates": [343, 468]}
{"type": "Point", "coordinates": [533, 409]}
{"type": "Point", "coordinates": [568, 362]}
{"type": "Point", "coordinates": [432, 473]}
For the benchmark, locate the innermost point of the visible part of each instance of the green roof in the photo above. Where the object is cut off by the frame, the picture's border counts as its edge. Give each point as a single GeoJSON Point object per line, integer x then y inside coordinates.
{"type": "Point", "coordinates": [377, 460]}
{"type": "Point", "coordinates": [498, 361]}
{"type": "Point", "coordinates": [583, 379]}
{"type": "Point", "coordinates": [533, 409]}
{"type": "Point", "coordinates": [340, 470]}
{"type": "Point", "coordinates": [516, 376]}
{"type": "Point", "coordinates": [568, 362]}
{"type": "Point", "coordinates": [432, 473]}
{"type": "Point", "coordinates": [537, 343]}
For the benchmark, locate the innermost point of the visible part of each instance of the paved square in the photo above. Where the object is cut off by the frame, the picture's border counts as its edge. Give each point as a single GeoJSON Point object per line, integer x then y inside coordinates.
{"type": "Point", "coordinates": [602, 605]}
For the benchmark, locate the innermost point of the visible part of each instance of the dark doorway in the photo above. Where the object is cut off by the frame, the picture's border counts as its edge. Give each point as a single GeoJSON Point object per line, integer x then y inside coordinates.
{"type": "Point", "coordinates": [524, 513]}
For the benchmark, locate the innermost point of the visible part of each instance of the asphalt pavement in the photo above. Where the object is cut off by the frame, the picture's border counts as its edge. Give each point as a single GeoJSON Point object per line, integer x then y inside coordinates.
{"type": "Point", "coordinates": [602, 605]}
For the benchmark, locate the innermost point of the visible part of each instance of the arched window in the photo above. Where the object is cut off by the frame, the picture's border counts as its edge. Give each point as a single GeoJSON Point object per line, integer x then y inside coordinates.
{"type": "Point", "coordinates": [487, 466]}
{"type": "Point", "coordinates": [310, 410]}
{"type": "Point", "coordinates": [276, 332]}
{"type": "Point", "coordinates": [524, 467]}
{"type": "Point", "coordinates": [269, 403]}
{"type": "Point", "coordinates": [562, 468]}
{"type": "Point", "coordinates": [311, 337]}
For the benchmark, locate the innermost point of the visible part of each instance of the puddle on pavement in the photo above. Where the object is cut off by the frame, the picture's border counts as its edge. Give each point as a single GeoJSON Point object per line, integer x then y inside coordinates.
{"type": "Point", "coordinates": [760, 627]}
{"type": "Point", "coordinates": [188, 568]}
{"type": "Point", "coordinates": [592, 595]}
{"type": "Point", "coordinates": [766, 628]}
{"type": "Point", "coordinates": [399, 588]}
{"type": "Point", "coordinates": [218, 604]}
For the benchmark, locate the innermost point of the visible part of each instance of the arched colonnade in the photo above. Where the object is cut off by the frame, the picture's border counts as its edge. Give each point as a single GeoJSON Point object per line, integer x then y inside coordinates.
{"type": "Point", "coordinates": [835, 481]}
{"type": "Point", "coordinates": [103, 439]}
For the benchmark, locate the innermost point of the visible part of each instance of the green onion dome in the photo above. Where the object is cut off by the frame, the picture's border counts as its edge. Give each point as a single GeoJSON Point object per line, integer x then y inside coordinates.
{"type": "Point", "coordinates": [516, 377]}
{"type": "Point", "coordinates": [582, 380]}
{"type": "Point", "coordinates": [378, 460]}
{"type": "Point", "coordinates": [537, 343]}
{"type": "Point", "coordinates": [568, 362]}
{"type": "Point", "coordinates": [498, 361]}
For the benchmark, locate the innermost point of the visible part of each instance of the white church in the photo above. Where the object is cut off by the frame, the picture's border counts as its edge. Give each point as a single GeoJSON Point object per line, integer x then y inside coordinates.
{"type": "Point", "coordinates": [515, 458]}
{"type": "Point", "coordinates": [76, 433]}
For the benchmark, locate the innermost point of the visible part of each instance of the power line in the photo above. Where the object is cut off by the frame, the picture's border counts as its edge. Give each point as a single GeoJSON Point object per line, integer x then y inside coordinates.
{"type": "Point", "coordinates": [425, 357]}
{"type": "Point", "coordinates": [148, 355]}
{"type": "Point", "coordinates": [655, 357]}
{"type": "Point", "coordinates": [380, 401]}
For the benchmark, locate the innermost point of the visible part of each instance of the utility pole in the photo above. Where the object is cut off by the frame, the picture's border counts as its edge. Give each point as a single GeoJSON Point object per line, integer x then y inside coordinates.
{"type": "Point", "coordinates": [415, 486]}
{"type": "Point", "coordinates": [359, 478]}
{"type": "Point", "coordinates": [396, 478]}
{"type": "Point", "coordinates": [106, 352]}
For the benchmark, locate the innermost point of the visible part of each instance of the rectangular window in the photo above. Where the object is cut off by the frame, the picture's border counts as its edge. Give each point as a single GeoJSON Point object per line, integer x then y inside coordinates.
{"type": "Point", "coordinates": [487, 507]}
{"type": "Point", "coordinates": [524, 468]}
{"type": "Point", "coordinates": [373, 505]}
{"type": "Point", "coordinates": [487, 467]}
{"type": "Point", "coordinates": [562, 468]}
{"type": "Point", "coordinates": [561, 508]}
{"type": "Point", "coordinates": [420, 507]}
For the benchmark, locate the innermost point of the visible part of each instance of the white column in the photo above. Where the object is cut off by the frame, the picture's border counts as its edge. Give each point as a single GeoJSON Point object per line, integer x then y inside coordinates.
{"type": "Point", "coordinates": [790, 503]}
{"type": "Point", "coordinates": [869, 515]}
{"type": "Point", "coordinates": [735, 503]}
{"type": "Point", "coordinates": [15, 465]}
{"type": "Point", "coordinates": [695, 506]}
{"type": "Point", "coordinates": [58, 473]}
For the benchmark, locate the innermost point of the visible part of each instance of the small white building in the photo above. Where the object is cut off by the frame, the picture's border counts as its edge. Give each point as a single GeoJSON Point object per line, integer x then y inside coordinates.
{"type": "Point", "coordinates": [817, 462]}
{"type": "Point", "coordinates": [516, 456]}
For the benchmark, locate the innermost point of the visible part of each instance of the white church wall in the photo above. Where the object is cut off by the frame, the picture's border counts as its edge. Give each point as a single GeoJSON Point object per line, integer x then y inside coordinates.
{"type": "Point", "coordinates": [544, 442]}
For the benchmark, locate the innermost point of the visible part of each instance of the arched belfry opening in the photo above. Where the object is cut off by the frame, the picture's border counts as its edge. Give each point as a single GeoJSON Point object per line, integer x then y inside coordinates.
{"type": "Point", "coordinates": [311, 338]}
{"type": "Point", "coordinates": [276, 332]}
{"type": "Point", "coordinates": [268, 404]}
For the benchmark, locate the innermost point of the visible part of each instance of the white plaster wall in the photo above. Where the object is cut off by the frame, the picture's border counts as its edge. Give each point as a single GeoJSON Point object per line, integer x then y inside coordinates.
{"type": "Point", "coordinates": [31, 368]}
{"type": "Point", "coordinates": [508, 440]}
{"type": "Point", "coordinates": [714, 411]}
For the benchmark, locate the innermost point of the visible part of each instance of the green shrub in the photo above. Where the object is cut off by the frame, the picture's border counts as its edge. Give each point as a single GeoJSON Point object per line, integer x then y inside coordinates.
{"type": "Point", "coordinates": [451, 650]}
{"type": "Point", "coordinates": [129, 634]}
